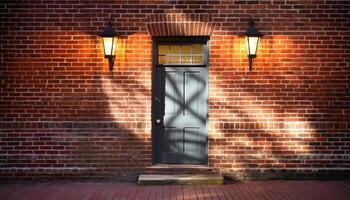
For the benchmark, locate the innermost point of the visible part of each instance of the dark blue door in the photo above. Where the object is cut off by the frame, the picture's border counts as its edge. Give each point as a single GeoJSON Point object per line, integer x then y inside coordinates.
{"type": "Point", "coordinates": [181, 111]}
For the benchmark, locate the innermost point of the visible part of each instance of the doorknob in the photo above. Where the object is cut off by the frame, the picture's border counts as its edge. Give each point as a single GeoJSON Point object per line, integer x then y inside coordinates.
{"type": "Point", "coordinates": [157, 121]}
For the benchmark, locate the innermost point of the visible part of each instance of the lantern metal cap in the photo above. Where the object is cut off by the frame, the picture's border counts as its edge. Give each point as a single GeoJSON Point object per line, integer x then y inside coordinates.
{"type": "Point", "coordinates": [252, 30]}
{"type": "Point", "coordinates": [109, 31]}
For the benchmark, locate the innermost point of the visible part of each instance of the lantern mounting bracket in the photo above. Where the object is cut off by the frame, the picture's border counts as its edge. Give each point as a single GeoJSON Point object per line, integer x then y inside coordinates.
{"type": "Point", "coordinates": [111, 63]}
{"type": "Point", "coordinates": [250, 64]}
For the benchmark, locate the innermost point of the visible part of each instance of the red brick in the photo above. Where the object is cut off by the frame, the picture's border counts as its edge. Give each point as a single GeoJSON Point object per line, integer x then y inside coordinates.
{"type": "Point", "coordinates": [61, 108]}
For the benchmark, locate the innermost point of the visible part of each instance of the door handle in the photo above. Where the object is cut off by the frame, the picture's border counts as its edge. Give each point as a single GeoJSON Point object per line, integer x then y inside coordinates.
{"type": "Point", "coordinates": [157, 121]}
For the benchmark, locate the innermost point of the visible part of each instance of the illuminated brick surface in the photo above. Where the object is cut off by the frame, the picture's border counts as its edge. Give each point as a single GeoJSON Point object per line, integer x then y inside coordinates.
{"type": "Point", "coordinates": [63, 115]}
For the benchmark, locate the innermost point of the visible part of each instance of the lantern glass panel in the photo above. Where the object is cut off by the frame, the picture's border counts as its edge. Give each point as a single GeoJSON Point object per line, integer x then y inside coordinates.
{"type": "Point", "coordinates": [109, 46]}
{"type": "Point", "coordinates": [252, 45]}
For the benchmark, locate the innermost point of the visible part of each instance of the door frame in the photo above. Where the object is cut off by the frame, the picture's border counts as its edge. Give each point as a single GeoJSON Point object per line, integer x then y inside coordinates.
{"type": "Point", "coordinates": [156, 40]}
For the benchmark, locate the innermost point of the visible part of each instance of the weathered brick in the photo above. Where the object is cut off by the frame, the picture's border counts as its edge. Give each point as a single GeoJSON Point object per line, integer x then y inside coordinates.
{"type": "Point", "coordinates": [63, 115]}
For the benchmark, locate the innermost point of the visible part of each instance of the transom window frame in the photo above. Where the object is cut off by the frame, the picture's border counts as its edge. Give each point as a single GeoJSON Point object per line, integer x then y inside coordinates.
{"type": "Point", "coordinates": [189, 40]}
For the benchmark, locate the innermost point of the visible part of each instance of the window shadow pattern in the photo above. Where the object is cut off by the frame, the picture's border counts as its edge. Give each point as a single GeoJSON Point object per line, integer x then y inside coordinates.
{"type": "Point", "coordinates": [182, 110]}
{"type": "Point", "coordinates": [44, 130]}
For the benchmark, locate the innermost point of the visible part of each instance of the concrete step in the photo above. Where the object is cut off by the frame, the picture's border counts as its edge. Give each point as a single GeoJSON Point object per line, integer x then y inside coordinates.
{"type": "Point", "coordinates": [181, 179]}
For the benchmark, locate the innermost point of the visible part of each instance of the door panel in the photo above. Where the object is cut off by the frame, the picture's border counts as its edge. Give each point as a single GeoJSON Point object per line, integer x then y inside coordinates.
{"type": "Point", "coordinates": [172, 93]}
{"type": "Point", "coordinates": [182, 109]}
{"type": "Point", "coordinates": [192, 135]}
{"type": "Point", "coordinates": [191, 97]}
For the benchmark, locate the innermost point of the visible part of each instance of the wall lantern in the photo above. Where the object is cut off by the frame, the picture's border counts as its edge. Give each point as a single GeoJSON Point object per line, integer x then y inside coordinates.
{"type": "Point", "coordinates": [109, 44]}
{"type": "Point", "coordinates": [252, 41]}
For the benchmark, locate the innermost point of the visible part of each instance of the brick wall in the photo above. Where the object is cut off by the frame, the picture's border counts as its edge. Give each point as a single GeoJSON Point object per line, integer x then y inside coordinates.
{"type": "Point", "coordinates": [63, 115]}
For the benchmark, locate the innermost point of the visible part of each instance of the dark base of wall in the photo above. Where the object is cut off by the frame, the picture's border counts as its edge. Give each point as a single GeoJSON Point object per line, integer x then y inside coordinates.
{"type": "Point", "coordinates": [289, 174]}
{"type": "Point", "coordinates": [71, 176]}
{"type": "Point", "coordinates": [246, 175]}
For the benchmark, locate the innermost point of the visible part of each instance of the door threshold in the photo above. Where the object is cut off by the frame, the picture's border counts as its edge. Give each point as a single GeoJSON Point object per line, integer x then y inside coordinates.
{"type": "Point", "coordinates": [179, 166]}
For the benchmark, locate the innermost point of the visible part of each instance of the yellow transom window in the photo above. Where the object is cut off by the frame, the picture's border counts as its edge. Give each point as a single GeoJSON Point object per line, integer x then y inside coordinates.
{"type": "Point", "coordinates": [191, 54]}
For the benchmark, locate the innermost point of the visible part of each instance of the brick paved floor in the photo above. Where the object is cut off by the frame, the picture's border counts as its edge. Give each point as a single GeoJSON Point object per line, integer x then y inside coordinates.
{"type": "Point", "coordinates": [264, 190]}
